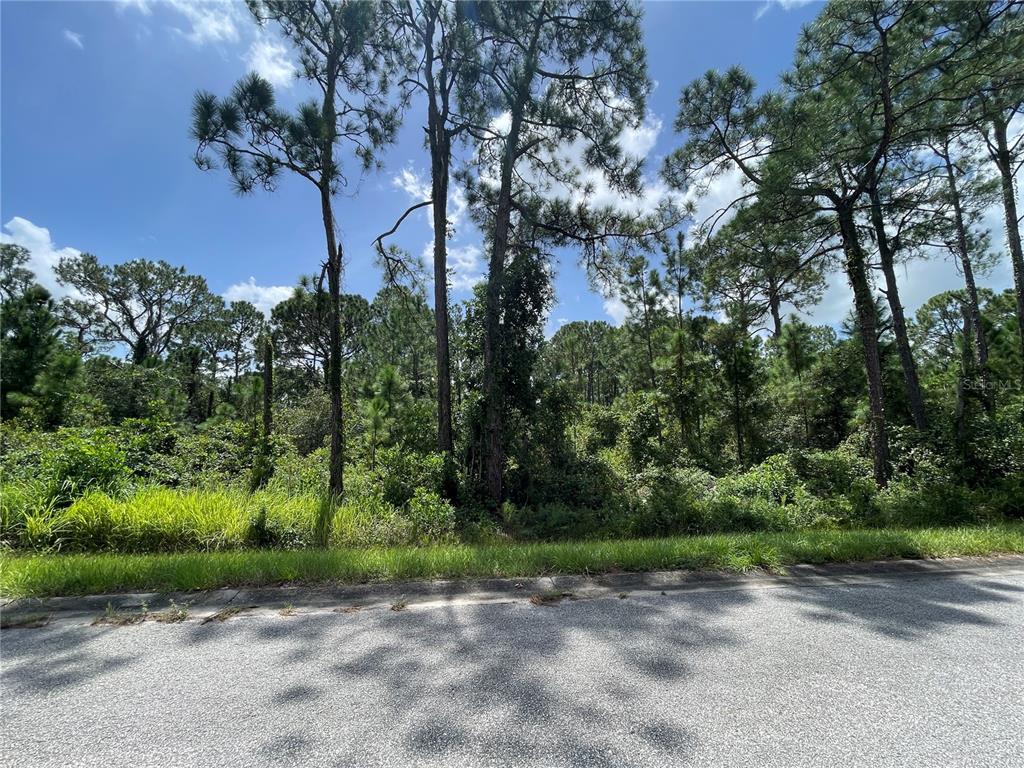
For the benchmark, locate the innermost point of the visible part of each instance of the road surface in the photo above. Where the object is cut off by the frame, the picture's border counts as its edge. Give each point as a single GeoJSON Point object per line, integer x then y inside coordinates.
{"type": "Point", "coordinates": [887, 671]}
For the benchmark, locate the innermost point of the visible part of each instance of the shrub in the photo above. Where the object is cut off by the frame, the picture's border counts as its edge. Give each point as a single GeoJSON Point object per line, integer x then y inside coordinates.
{"type": "Point", "coordinates": [996, 447]}
{"type": "Point", "coordinates": [431, 517]}
{"type": "Point", "coordinates": [906, 502]}
{"type": "Point", "coordinates": [774, 480]}
{"type": "Point", "coordinates": [771, 497]}
{"type": "Point", "coordinates": [149, 446]}
{"type": "Point", "coordinates": [554, 520]}
{"type": "Point", "coordinates": [576, 480]}
{"type": "Point", "coordinates": [307, 421]}
{"type": "Point", "coordinates": [220, 454]}
{"type": "Point", "coordinates": [158, 519]}
{"type": "Point", "coordinates": [29, 517]}
{"type": "Point", "coordinates": [21, 452]}
{"type": "Point", "coordinates": [78, 463]}
{"type": "Point", "coordinates": [599, 428]}
{"type": "Point", "coordinates": [302, 474]}
{"type": "Point", "coordinates": [396, 476]}
{"type": "Point", "coordinates": [840, 476]}
{"type": "Point", "coordinates": [275, 530]}
{"type": "Point", "coordinates": [670, 501]}
{"type": "Point", "coordinates": [638, 439]}
{"type": "Point", "coordinates": [369, 521]}
{"type": "Point", "coordinates": [830, 473]}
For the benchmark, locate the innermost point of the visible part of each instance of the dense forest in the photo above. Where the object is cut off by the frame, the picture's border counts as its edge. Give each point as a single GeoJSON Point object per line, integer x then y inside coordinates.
{"type": "Point", "coordinates": [141, 412]}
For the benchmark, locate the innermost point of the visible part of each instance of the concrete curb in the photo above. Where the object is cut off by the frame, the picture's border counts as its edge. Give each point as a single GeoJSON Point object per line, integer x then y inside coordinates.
{"type": "Point", "coordinates": [222, 603]}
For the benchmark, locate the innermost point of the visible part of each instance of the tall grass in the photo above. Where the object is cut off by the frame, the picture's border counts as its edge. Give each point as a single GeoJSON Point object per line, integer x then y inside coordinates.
{"type": "Point", "coordinates": [158, 519]}
{"type": "Point", "coordinates": [43, 575]}
{"type": "Point", "coordinates": [155, 519]}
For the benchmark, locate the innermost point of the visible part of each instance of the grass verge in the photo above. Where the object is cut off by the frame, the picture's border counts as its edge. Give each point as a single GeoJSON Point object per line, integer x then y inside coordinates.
{"type": "Point", "coordinates": [47, 575]}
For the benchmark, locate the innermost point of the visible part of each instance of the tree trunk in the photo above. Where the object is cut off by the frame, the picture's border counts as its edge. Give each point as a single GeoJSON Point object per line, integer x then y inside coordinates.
{"type": "Point", "coordinates": [1005, 164]}
{"type": "Point", "coordinates": [493, 387]}
{"type": "Point", "coordinates": [268, 387]}
{"type": "Point", "coordinates": [773, 304]}
{"type": "Point", "coordinates": [966, 359]}
{"type": "Point", "coordinates": [856, 273]}
{"type": "Point", "coordinates": [684, 433]}
{"type": "Point", "coordinates": [899, 323]}
{"type": "Point", "coordinates": [737, 414]}
{"type": "Point", "coordinates": [140, 351]}
{"type": "Point", "coordinates": [439, 186]}
{"type": "Point", "coordinates": [649, 336]}
{"type": "Point", "coordinates": [972, 289]}
{"type": "Point", "coordinates": [336, 483]}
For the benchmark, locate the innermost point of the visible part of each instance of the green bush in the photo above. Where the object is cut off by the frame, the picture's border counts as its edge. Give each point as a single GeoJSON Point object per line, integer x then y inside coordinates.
{"type": "Point", "coordinates": [907, 502]}
{"type": "Point", "coordinates": [669, 501]}
{"type": "Point", "coordinates": [369, 521]}
{"type": "Point", "coordinates": [431, 517]}
{"type": "Point", "coordinates": [555, 520]}
{"type": "Point", "coordinates": [830, 473]}
{"type": "Point", "coordinates": [81, 462]}
{"type": "Point", "coordinates": [302, 474]}
{"type": "Point", "coordinates": [638, 440]}
{"type": "Point", "coordinates": [396, 476]}
{"type": "Point", "coordinates": [218, 455]}
{"type": "Point", "coordinates": [599, 428]}
{"type": "Point", "coordinates": [155, 519]}
{"type": "Point", "coordinates": [578, 480]}
{"type": "Point", "coordinates": [150, 446]}
{"type": "Point", "coordinates": [775, 480]}
{"type": "Point", "coordinates": [268, 530]}
{"type": "Point", "coordinates": [29, 517]}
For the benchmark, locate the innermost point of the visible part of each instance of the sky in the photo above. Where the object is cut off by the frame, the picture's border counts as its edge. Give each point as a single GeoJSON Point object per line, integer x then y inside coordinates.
{"type": "Point", "coordinates": [95, 153]}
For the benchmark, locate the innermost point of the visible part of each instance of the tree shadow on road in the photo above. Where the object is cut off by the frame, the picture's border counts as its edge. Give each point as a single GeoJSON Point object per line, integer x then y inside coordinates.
{"type": "Point", "coordinates": [886, 606]}
{"type": "Point", "coordinates": [590, 682]}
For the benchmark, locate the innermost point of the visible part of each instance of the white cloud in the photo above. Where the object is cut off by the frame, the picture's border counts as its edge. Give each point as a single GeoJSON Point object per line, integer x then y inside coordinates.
{"type": "Point", "coordinates": [465, 262]}
{"type": "Point", "coordinates": [638, 141]}
{"type": "Point", "coordinates": [269, 58]}
{"type": "Point", "coordinates": [918, 281]}
{"type": "Point", "coordinates": [616, 309]}
{"type": "Point", "coordinates": [412, 183]}
{"type": "Point", "coordinates": [466, 265]}
{"type": "Point", "coordinates": [263, 297]}
{"type": "Point", "coordinates": [44, 255]}
{"type": "Point", "coordinates": [590, 186]}
{"type": "Point", "coordinates": [209, 21]}
{"type": "Point", "coordinates": [417, 186]}
{"type": "Point", "coordinates": [142, 6]}
{"type": "Point", "coordinates": [74, 38]}
{"type": "Point", "coordinates": [711, 200]}
{"type": "Point", "coordinates": [785, 5]}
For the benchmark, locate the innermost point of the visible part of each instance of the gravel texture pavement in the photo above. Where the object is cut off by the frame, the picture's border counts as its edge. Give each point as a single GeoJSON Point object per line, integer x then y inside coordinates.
{"type": "Point", "coordinates": [870, 669]}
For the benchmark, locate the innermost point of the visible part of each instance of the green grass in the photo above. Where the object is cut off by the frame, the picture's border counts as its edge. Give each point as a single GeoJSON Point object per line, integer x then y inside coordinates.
{"type": "Point", "coordinates": [156, 519]}
{"type": "Point", "coordinates": [44, 575]}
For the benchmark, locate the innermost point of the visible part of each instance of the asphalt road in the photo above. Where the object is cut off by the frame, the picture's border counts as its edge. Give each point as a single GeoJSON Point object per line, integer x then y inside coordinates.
{"type": "Point", "coordinates": [918, 672]}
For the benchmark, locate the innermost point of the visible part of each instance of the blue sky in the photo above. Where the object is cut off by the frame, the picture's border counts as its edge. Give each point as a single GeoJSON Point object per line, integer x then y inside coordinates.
{"type": "Point", "coordinates": [96, 154]}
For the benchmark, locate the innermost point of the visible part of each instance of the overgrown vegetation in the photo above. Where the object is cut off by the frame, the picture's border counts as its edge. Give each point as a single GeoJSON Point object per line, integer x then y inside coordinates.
{"type": "Point", "coordinates": [44, 575]}
{"type": "Point", "coordinates": [143, 415]}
